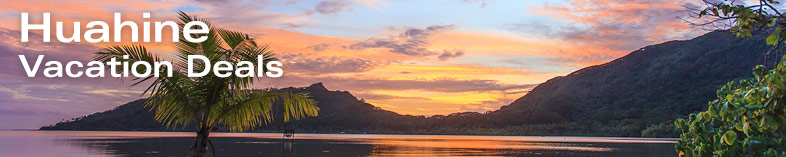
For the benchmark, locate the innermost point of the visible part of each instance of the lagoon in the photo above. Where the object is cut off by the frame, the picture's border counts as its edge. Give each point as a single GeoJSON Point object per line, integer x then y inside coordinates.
{"type": "Point", "coordinates": [127, 143]}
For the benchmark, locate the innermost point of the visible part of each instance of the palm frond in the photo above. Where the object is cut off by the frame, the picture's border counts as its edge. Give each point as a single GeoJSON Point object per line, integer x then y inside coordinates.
{"type": "Point", "coordinates": [254, 108]}
{"type": "Point", "coordinates": [235, 39]}
{"type": "Point", "coordinates": [211, 100]}
{"type": "Point", "coordinates": [135, 53]}
{"type": "Point", "coordinates": [298, 105]}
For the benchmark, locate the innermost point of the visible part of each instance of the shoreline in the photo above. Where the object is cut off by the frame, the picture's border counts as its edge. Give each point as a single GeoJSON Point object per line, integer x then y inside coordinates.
{"type": "Point", "coordinates": [327, 136]}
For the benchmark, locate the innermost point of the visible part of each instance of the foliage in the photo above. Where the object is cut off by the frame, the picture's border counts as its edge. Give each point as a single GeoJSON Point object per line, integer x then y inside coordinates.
{"type": "Point", "coordinates": [210, 101]}
{"type": "Point", "coordinates": [747, 118]}
{"type": "Point", "coordinates": [748, 115]}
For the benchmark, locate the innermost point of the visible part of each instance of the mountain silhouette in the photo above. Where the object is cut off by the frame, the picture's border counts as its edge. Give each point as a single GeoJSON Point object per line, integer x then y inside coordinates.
{"type": "Point", "coordinates": [639, 94]}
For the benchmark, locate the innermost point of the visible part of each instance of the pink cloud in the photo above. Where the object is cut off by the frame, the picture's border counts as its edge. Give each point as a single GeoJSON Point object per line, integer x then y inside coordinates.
{"type": "Point", "coordinates": [612, 28]}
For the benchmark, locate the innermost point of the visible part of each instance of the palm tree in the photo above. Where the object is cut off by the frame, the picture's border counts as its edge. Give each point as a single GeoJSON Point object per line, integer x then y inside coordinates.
{"type": "Point", "coordinates": [211, 101]}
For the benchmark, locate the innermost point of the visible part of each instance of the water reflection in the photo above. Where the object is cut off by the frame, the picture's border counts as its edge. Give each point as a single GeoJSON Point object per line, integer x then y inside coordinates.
{"type": "Point", "coordinates": [49, 143]}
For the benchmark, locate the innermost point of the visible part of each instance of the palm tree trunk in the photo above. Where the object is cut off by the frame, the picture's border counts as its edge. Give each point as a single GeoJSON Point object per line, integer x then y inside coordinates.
{"type": "Point", "coordinates": [202, 143]}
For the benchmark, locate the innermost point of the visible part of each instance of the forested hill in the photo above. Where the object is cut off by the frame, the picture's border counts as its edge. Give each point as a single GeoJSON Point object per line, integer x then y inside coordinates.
{"type": "Point", "coordinates": [647, 87]}
{"type": "Point", "coordinates": [639, 94]}
{"type": "Point", "coordinates": [339, 111]}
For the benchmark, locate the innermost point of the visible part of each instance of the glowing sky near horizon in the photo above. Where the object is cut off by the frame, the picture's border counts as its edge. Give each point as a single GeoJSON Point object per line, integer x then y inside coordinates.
{"type": "Point", "coordinates": [412, 57]}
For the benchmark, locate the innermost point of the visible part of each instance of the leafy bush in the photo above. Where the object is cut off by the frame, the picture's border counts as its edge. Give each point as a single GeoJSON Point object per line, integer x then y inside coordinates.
{"type": "Point", "coordinates": [747, 119]}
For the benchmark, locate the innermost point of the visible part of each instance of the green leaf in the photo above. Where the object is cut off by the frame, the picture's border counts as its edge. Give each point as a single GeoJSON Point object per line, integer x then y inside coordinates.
{"type": "Point", "coordinates": [746, 127]}
{"type": "Point", "coordinates": [738, 126]}
{"type": "Point", "coordinates": [773, 38]}
{"type": "Point", "coordinates": [729, 137]}
{"type": "Point", "coordinates": [763, 123]}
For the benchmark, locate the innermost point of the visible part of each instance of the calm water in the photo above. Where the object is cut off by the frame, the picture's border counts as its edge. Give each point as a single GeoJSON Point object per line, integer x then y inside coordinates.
{"type": "Point", "coordinates": [105, 143]}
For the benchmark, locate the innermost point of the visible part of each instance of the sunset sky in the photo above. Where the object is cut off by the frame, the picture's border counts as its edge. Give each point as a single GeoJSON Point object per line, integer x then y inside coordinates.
{"type": "Point", "coordinates": [413, 57]}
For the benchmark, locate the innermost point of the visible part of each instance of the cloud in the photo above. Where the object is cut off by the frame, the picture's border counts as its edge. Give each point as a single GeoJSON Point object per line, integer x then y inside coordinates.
{"type": "Point", "coordinates": [447, 54]}
{"type": "Point", "coordinates": [331, 7]}
{"type": "Point", "coordinates": [482, 3]}
{"type": "Point", "coordinates": [411, 42]}
{"type": "Point", "coordinates": [375, 96]}
{"type": "Point", "coordinates": [609, 28]}
{"type": "Point", "coordinates": [329, 65]}
{"type": "Point", "coordinates": [485, 106]}
{"type": "Point", "coordinates": [251, 15]}
{"type": "Point", "coordinates": [292, 26]}
{"type": "Point", "coordinates": [318, 47]}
